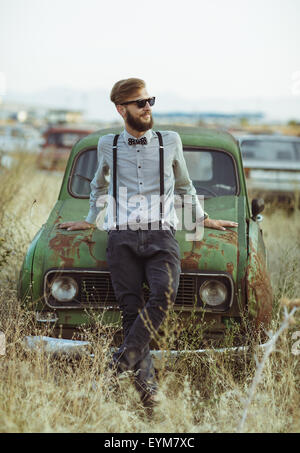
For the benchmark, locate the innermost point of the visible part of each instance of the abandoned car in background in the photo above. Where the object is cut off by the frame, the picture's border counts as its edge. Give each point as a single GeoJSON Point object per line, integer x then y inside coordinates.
{"type": "Point", "coordinates": [15, 140]}
{"type": "Point", "coordinates": [223, 277]}
{"type": "Point", "coordinates": [272, 165]}
{"type": "Point", "coordinates": [58, 143]}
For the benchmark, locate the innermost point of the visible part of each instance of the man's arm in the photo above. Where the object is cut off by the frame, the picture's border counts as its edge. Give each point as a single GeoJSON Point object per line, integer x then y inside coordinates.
{"type": "Point", "coordinates": [99, 186]}
{"type": "Point", "coordinates": [183, 182]}
{"type": "Point", "coordinates": [184, 186]}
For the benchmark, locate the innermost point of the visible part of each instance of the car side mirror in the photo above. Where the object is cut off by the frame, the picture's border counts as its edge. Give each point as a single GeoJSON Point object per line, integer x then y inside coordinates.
{"type": "Point", "coordinates": [258, 205]}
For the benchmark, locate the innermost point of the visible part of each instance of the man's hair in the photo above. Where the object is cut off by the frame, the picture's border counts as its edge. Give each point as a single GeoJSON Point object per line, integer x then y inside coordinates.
{"type": "Point", "coordinates": [124, 89]}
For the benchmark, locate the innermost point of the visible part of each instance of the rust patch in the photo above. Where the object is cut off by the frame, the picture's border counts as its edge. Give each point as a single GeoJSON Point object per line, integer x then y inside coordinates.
{"type": "Point", "coordinates": [58, 220]}
{"type": "Point", "coordinates": [66, 247]}
{"type": "Point", "coordinates": [230, 267]}
{"type": "Point", "coordinates": [229, 236]}
{"type": "Point", "coordinates": [259, 291]}
{"type": "Point", "coordinates": [90, 245]}
{"type": "Point", "coordinates": [200, 244]}
{"type": "Point", "coordinates": [190, 260]}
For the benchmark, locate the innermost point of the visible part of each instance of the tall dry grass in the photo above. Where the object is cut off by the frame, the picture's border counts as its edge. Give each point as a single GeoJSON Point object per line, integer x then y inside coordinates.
{"type": "Point", "coordinates": [39, 393]}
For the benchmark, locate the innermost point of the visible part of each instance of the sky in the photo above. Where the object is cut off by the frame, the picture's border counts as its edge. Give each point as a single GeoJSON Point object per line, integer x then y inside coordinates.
{"type": "Point", "coordinates": [192, 50]}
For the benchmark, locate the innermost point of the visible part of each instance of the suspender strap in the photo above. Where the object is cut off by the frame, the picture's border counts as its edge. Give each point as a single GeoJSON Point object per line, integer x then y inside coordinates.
{"type": "Point", "coordinates": [115, 207]}
{"type": "Point", "coordinates": [161, 176]}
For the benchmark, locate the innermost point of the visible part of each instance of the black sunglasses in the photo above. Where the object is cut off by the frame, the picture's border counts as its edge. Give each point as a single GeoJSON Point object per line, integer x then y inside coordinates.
{"type": "Point", "coordinates": [141, 102]}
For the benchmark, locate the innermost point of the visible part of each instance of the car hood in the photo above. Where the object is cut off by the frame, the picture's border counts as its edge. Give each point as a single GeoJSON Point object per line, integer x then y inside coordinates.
{"type": "Point", "coordinates": [217, 251]}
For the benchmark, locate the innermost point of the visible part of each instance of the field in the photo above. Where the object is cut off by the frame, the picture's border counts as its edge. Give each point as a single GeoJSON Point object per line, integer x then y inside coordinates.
{"type": "Point", "coordinates": [207, 394]}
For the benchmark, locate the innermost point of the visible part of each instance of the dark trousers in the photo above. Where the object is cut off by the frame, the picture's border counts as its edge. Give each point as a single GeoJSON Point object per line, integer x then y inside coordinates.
{"type": "Point", "coordinates": [135, 257]}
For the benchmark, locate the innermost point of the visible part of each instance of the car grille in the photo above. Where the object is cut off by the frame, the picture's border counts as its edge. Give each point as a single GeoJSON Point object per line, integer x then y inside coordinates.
{"type": "Point", "coordinates": [95, 289]}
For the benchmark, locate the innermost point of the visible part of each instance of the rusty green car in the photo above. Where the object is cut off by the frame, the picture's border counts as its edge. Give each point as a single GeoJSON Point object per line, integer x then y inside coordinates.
{"type": "Point", "coordinates": [224, 276]}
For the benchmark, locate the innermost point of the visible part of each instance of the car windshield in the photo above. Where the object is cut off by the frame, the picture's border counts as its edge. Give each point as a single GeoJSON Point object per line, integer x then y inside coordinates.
{"type": "Point", "coordinates": [297, 151]}
{"type": "Point", "coordinates": [213, 172]}
{"type": "Point", "coordinates": [268, 150]}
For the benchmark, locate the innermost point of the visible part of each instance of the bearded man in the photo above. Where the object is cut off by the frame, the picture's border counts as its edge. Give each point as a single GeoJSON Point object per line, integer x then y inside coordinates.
{"type": "Point", "coordinates": [141, 246]}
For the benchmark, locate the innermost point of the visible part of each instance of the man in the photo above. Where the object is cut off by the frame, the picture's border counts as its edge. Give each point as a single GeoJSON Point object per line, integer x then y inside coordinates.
{"type": "Point", "coordinates": [141, 243]}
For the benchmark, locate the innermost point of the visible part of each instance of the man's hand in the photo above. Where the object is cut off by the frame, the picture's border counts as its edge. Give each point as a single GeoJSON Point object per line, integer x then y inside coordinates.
{"type": "Point", "coordinates": [219, 224]}
{"type": "Point", "coordinates": [72, 226]}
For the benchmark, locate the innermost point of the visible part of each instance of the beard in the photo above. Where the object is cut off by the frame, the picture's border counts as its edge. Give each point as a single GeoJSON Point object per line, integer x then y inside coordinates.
{"type": "Point", "coordinates": [137, 124]}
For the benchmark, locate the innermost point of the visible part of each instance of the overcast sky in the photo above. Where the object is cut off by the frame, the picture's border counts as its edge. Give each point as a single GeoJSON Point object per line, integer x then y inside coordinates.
{"type": "Point", "coordinates": [192, 48]}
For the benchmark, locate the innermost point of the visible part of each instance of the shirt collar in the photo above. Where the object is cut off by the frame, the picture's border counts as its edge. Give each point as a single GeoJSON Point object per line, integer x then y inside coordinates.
{"type": "Point", "coordinates": [148, 134]}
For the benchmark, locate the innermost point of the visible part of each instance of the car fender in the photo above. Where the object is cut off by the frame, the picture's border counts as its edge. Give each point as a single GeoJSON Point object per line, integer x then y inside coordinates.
{"type": "Point", "coordinates": [24, 289]}
{"type": "Point", "coordinates": [258, 284]}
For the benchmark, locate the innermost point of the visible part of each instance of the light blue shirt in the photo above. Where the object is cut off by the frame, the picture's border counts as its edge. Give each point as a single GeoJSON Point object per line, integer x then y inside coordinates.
{"type": "Point", "coordinates": [138, 180]}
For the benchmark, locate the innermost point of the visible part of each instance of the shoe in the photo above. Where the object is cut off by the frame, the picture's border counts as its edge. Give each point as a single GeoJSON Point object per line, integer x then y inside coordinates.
{"type": "Point", "coordinates": [116, 375]}
{"type": "Point", "coordinates": [148, 393]}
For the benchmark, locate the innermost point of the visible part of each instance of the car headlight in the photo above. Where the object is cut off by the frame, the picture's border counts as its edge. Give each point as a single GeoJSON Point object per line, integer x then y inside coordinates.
{"type": "Point", "coordinates": [213, 293]}
{"type": "Point", "coordinates": [64, 288]}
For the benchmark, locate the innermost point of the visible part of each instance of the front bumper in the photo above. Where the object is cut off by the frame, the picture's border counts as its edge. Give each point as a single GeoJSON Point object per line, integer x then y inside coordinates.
{"type": "Point", "coordinates": [77, 348]}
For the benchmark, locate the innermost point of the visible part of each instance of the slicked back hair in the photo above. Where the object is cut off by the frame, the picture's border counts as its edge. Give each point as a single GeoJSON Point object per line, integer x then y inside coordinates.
{"type": "Point", "coordinates": [124, 89]}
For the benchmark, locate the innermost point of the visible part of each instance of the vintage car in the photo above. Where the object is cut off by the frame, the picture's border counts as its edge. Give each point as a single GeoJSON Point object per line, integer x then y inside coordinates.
{"type": "Point", "coordinates": [20, 138]}
{"type": "Point", "coordinates": [16, 139]}
{"type": "Point", "coordinates": [224, 278]}
{"type": "Point", "coordinates": [58, 143]}
{"type": "Point", "coordinates": [272, 165]}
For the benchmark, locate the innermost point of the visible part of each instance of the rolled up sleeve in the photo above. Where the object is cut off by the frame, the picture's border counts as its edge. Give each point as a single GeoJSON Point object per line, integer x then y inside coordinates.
{"type": "Point", "coordinates": [99, 184]}
{"type": "Point", "coordinates": [183, 183]}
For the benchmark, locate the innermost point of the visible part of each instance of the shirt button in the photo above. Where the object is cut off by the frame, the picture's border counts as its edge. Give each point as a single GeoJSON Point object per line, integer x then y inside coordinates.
{"type": "Point", "coordinates": [138, 151]}
{"type": "Point", "coordinates": [139, 166]}
{"type": "Point", "coordinates": [141, 183]}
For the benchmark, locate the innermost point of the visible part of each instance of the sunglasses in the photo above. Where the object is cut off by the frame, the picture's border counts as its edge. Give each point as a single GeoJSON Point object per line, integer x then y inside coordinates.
{"type": "Point", "coordinates": [141, 102]}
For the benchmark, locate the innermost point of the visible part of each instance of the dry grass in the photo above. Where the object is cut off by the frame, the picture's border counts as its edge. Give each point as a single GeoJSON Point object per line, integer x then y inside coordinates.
{"type": "Point", "coordinates": [26, 198]}
{"type": "Point", "coordinates": [198, 394]}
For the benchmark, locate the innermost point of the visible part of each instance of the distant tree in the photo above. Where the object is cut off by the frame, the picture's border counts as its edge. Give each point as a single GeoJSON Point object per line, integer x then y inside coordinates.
{"type": "Point", "coordinates": [293, 123]}
{"type": "Point", "coordinates": [244, 122]}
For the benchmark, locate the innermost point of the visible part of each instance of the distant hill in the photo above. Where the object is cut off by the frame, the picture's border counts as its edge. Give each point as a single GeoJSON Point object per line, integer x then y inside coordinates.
{"type": "Point", "coordinates": [97, 105]}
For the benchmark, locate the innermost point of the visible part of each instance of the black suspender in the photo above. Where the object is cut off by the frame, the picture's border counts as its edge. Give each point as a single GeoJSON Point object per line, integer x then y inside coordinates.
{"type": "Point", "coordinates": [115, 207]}
{"type": "Point", "coordinates": [161, 177]}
